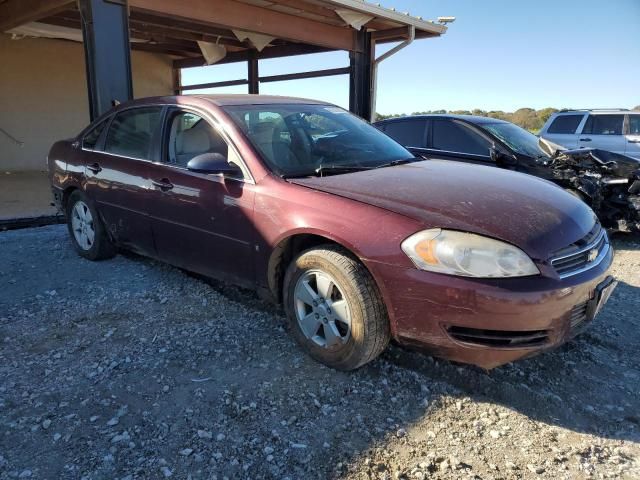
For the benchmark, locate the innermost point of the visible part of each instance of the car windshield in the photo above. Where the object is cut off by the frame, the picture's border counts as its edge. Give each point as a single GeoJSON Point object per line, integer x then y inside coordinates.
{"type": "Point", "coordinates": [517, 138]}
{"type": "Point", "coordinates": [301, 140]}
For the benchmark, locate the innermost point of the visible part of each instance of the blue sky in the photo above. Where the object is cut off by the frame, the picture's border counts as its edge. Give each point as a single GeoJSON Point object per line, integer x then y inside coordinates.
{"type": "Point", "coordinates": [498, 55]}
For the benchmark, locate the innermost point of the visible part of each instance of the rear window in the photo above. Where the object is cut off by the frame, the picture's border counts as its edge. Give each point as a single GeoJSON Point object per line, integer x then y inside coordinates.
{"type": "Point", "coordinates": [131, 132]}
{"type": "Point", "coordinates": [604, 125]}
{"type": "Point", "coordinates": [565, 124]}
{"type": "Point", "coordinates": [409, 133]}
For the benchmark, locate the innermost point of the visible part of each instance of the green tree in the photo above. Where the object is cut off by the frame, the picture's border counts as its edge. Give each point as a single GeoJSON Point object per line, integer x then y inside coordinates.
{"type": "Point", "coordinates": [545, 113]}
{"type": "Point", "coordinates": [527, 118]}
{"type": "Point", "coordinates": [499, 114]}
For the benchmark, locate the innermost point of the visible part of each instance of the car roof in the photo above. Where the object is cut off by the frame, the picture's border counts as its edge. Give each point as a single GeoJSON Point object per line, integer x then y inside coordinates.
{"type": "Point", "coordinates": [477, 119]}
{"type": "Point", "coordinates": [597, 111]}
{"type": "Point", "coordinates": [220, 100]}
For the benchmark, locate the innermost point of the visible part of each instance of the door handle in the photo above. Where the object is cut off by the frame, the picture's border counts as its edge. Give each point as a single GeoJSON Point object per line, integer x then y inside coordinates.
{"type": "Point", "coordinates": [163, 184]}
{"type": "Point", "coordinates": [585, 139]}
{"type": "Point", "coordinates": [634, 141]}
{"type": "Point", "coordinates": [95, 168]}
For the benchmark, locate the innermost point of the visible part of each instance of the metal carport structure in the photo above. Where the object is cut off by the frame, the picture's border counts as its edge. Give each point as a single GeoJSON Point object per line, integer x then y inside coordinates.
{"type": "Point", "coordinates": [227, 30]}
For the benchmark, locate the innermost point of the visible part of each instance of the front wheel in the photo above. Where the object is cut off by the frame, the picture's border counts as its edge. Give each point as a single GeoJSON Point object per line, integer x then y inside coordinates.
{"type": "Point", "coordinates": [334, 309]}
{"type": "Point", "coordinates": [88, 234]}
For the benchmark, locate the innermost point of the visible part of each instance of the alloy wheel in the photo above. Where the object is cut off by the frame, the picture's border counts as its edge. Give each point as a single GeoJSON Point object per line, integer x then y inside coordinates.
{"type": "Point", "coordinates": [82, 225]}
{"type": "Point", "coordinates": [322, 310]}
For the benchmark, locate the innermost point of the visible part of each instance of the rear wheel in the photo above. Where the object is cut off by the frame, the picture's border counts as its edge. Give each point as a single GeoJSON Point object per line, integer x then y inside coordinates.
{"type": "Point", "coordinates": [334, 308]}
{"type": "Point", "coordinates": [87, 232]}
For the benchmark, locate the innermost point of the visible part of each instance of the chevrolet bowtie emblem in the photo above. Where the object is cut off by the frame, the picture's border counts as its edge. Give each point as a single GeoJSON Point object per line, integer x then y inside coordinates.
{"type": "Point", "coordinates": [593, 254]}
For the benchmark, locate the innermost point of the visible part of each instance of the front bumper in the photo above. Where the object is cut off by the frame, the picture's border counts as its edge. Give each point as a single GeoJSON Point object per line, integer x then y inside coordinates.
{"type": "Point", "coordinates": [489, 322]}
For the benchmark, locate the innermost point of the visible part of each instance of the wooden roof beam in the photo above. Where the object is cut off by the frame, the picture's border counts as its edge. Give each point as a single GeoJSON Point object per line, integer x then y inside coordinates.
{"type": "Point", "coordinates": [147, 27]}
{"type": "Point", "coordinates": [234, 15]}
{"type": "Point", "coordinates": [243, 56]}
{"type": "Point", "coordinates": [14, 13]}
{"type": "Point", "coordinates": [309, 8]}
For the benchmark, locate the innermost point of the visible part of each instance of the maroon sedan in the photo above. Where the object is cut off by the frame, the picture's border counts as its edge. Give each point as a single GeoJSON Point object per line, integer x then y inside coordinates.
{"type": "Point", "coordinates": [359, 240]}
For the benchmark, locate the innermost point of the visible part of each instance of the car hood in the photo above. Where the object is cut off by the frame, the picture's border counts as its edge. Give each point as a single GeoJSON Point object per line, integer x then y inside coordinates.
{"type": "Point", "coordinates": [531, 213]}
{"type": "Point", "coordinates": [606, 162]}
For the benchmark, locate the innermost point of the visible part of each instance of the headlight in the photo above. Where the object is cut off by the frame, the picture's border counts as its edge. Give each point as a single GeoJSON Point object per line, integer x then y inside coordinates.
{"type": "Point", "coordinates": [467, 254]}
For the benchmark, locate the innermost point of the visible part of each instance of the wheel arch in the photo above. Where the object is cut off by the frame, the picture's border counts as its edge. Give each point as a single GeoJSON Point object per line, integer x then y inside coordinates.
{"type": "Point", "coordinates": [291, 244]}
{"type": "Point", "coordinates": [66, 193]}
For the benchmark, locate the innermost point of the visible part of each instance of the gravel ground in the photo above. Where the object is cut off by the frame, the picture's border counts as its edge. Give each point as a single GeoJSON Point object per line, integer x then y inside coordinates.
{"type": "Point", "coordinates": [132, 369]}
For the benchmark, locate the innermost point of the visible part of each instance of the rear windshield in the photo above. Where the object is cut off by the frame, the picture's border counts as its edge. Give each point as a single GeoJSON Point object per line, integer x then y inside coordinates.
{"type": "Point", "coordinates": [297, 139]}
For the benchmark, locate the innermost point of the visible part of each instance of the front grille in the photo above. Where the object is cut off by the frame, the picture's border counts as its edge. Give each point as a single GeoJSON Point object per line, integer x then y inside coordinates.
{"type": "Point", "coordinates": [583, 254]}
{"type": "Point", "coordinates": [578, 315]}
{"type": "Point", "coordinates": [499, 338]}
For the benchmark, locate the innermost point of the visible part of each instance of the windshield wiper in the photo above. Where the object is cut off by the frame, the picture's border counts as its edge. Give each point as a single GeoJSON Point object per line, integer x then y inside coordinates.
{"type": "Point", "coordinates": [402, 161]}
{"type": "Point", "coordinates": [329, 169]}
{"type": "Point", "coordinates": [322, 169]}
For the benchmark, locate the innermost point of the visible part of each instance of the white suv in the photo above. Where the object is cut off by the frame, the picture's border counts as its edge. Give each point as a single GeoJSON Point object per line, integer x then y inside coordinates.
{"type": "Point", "coordinates": [613, 130]}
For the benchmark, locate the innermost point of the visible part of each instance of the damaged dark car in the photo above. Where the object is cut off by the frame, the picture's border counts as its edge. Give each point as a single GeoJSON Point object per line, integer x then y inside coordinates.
{"type": "Point", "coordinates": [607, 181]}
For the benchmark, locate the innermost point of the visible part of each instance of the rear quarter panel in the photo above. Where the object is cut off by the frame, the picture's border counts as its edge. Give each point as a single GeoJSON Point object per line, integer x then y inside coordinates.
{"type": "Point", "coordinates": [65, 165]}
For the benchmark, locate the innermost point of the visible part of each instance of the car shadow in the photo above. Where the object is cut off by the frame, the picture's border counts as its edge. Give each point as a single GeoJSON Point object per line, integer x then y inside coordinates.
{"type": "Point", "coordinates": [589, 385]}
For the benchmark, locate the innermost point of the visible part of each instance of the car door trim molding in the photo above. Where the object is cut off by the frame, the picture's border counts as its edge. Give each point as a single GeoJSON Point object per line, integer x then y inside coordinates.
{"type": "Point", "coordinates": [120, 207]}
{"type": "Point", "coordinates": [198, 229]}
{"type": "Point", "coordinates": [154, 217]}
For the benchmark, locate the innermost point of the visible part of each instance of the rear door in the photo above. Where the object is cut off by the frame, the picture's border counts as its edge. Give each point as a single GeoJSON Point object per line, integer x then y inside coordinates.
{"type": "Point", "coordinates": [117, 175]}
{"type": "Point", "coordinates": [457, 140]}
{"type": "Point", "coordinates": [604, 131]}
{"type": "Point", "coordinates": [410, 133]}
{"type": "Point", "coordinates": [201, 222]}
{"type": "Point", "coordinates": [632, 136]}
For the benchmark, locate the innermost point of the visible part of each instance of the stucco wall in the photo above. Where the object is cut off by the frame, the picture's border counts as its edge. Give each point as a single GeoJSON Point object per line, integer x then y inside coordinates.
{"type": "Point", "coordinates": [43, 94]}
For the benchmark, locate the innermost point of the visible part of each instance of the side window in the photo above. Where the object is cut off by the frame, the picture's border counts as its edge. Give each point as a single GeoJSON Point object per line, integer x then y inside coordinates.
{"type": "Point", "coordinates": [90, 140]}
{"type": "Point", "coordinates": [634, 124]}
{"type": "Point", "coordinates": [455, 136]}
{"type": "Point", "coordinates": [189, 136]}
{"type": "Point", "coordinates": [131, 132]}
{"type": "Point", "coordinates": [409, 133]}
{"type": "Point", "coordinates": [604, 125]}
{"type": "Point", "coordinates": [566, 124]}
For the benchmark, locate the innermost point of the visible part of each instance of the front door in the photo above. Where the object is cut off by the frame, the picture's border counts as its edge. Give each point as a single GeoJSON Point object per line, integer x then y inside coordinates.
{"type": "Point", "coordinates": [117, 175]}
{"type": "Point", "coordinates": [201, 222]}
{"type": "Point", "coordinates": [452, 139]}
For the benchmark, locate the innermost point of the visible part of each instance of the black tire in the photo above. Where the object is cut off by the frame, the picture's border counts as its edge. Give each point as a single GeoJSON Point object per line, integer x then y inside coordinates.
{"type": "Point", "coordinates": [101, 247]}
{"type": "Point", "coordinates": [369, 334]}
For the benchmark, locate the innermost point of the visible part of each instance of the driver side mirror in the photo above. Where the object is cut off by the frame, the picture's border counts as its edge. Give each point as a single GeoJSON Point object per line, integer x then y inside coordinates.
{"type": "Point", "coordinates": [501, 158]}
{"type": "Point", "coordinates": [214, 163]}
